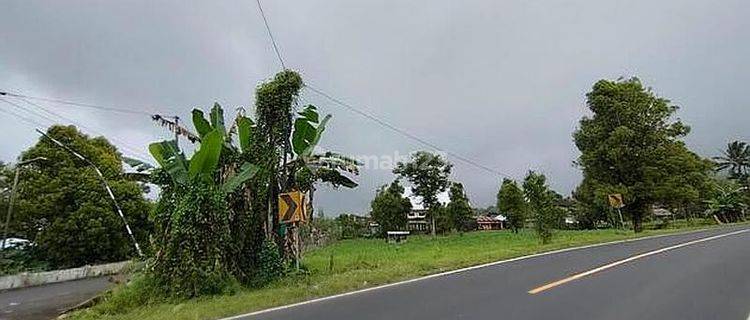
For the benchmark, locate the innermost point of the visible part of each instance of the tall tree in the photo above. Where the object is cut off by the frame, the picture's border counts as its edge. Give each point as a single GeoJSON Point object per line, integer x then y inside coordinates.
{"type": "Point", "coordinates": [62, 206]}
{"type": "Point", "coordinates": [428, 174]}
{"type": "Point", "coordinates": [541, 204]}
{"type": "Point", "coordinates": [274, 107]}
{"type": "Point", "coordinates": [459, 212]}
{"type": "Point", "coordinates": [511, 203]}
{"type": "Point", "coordinates": [736, 160]}
{"type": "Point", "coordinates": [390, 208]}
{"type": "Point", "coordinates": [627, 143]}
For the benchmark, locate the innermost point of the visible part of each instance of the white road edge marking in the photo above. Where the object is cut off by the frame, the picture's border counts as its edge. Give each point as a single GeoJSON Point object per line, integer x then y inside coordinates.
{"type": "Point", "coordinates": [490, 264]}
{"type": "Point", "coordinates": [626, 260]}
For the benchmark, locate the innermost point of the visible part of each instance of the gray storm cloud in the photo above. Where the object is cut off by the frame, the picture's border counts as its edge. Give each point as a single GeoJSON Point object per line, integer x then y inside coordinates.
{"type": "Point", "coordinates": [501, 83]}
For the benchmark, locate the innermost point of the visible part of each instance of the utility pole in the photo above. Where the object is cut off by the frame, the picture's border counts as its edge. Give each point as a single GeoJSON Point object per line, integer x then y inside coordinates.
{"type": "Point", "coordinates": [106, 186]}
{"type": "Point", "coordinates": [13, 196]}
{"type": "Point", "coordinates": [177, 131]}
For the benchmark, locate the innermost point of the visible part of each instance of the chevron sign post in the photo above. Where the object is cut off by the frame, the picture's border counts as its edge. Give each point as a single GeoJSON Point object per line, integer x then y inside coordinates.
{"type": "Point", "coordinates": [291, 207]}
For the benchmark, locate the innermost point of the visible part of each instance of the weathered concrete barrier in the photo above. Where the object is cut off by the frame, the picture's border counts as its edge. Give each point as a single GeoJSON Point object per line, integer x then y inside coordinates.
{"type": "Point", "coordinates": [26, 279]}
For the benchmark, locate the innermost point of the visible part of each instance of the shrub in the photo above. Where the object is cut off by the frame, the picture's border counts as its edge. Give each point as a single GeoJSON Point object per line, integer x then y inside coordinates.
{"type": "Point", "coordinates": [196, 249]}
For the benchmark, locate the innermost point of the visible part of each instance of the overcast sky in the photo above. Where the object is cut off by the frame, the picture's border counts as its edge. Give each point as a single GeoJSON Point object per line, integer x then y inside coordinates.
{"type": "Point", "coordinates": [499, 82]}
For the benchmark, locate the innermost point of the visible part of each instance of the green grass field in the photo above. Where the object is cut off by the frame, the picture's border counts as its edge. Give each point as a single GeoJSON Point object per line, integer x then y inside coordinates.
{"type": "Point", "coordinates": [356, 264]}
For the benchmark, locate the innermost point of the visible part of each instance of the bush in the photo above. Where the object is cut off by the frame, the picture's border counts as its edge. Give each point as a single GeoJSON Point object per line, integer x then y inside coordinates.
{"type": "Point", "coordinates": [270, 265]}
{"type": "Point", "coordinates": [197, 253]}
{"type": "Point", "coordinates": [351, 226]}
{"type": "Point", "coordinates": [17, 260]}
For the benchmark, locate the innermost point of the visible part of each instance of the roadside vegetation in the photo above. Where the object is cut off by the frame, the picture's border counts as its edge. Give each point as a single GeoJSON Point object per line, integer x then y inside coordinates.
{"type": "Point", "coordinates": [355, 264]}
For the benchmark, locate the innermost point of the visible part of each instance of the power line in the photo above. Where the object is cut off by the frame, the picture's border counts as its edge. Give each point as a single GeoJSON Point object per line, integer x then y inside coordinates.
{"type": "Point", "coordinates": [26, 119]}
{"type": "Point", "coordinates": [270, 35]}
{"type": "Point", "coordinates": [123, 145]}
{"type": "Point", "coordinates": [22, 108]}
{"type": "Point", "coordinates": [372, 117]}
{"type": "Point", "coordinates": [404, 132]}
{"type": "Point", "coordinates": [77, 104]}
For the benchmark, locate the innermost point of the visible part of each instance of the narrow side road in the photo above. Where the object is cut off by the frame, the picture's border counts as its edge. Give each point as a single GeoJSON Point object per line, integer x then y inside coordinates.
{"type": "Point", "coordinates": [48, 301]}
{"type": "Point", "coordinates": [700, 275]}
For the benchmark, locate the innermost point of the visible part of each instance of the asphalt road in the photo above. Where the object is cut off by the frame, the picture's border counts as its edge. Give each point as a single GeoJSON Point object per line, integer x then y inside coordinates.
{"type": "Point", "coordinates": [704, 280]}
{"type": "Point", "coordinates": [48, 301]}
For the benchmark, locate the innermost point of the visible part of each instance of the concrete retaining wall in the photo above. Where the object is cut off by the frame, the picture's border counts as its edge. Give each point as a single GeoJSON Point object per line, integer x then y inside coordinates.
{"type": "Point", "coordinates": [39, 278]}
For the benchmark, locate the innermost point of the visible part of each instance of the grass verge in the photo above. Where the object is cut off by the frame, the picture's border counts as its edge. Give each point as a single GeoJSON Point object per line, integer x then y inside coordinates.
{"type": "Point", "coordinates": [356, 264]}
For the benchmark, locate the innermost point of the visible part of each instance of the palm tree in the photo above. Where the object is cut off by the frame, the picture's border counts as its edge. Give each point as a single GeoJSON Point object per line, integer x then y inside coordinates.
{"type": "Point", "coordinates": [736, 159]}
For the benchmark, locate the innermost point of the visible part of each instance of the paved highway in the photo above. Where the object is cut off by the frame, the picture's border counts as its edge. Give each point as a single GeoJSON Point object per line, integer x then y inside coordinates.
{"type": "Point", "coordinates": [701, 275]}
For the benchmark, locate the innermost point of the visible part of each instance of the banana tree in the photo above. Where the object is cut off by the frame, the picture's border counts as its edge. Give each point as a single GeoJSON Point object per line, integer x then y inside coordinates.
{"type": "Point", "coordinates": [203, 166]}
{"type": "Point", "coordinates": [308, 167]}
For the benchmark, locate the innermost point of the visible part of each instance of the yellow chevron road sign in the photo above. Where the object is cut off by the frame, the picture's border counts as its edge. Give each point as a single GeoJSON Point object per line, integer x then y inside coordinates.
{"type": "Point", "coordinates": [291, 207]}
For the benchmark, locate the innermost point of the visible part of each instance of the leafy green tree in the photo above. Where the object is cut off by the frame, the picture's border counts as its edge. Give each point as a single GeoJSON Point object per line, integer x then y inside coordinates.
{"type": "Point", "coordinates": [511, 203]}
{"type": "Point", "coordinates": [62, 206]}
{"type": "Point", "coordinates": [274, 106]}
{"type": "Point", "coordinates": [628, 143]}
{"type": "Point", "coordinates": [541, 204]}
{"type": "Point", "coordinates": [591, 206]}
{"type": "Point", "coordinates": [458, 211]}
{"type": "Point", "coordinates": [689, 183]}
{"type": "Point", "coordinates": [736, 160]}
{"type": "Point", "coordinates": [390, 208]}
{"type": "Point", "coordinates": [428, 174]}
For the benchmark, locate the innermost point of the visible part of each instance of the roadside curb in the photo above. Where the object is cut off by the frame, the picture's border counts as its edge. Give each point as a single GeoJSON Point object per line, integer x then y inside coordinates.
{"type": "Point", "coordinates": [485, 265]}
{"type": "Point", "coordinates": [26, 279]}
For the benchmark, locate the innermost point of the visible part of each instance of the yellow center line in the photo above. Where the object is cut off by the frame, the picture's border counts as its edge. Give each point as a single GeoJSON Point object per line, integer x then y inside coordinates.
{"type": "Point", "coordinates": [626, 260]}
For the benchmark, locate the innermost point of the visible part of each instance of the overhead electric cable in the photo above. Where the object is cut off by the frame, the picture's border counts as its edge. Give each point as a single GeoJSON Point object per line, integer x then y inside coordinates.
{"type": "Point", "coordinates": [403, 132]}
{"type": "Point", "coordinates": [270, 35]}
{"type": "Point", "coordinates": [122, 145]}
{"type": "Point", "coordinates": [78, 104]}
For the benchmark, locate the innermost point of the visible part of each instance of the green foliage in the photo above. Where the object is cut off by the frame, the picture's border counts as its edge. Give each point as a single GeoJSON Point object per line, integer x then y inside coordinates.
{"type": "Point", "coordinates": [390, 208]}
{"type": "Point", "coordinates": [727, 201]}
{"type": "Point", "coordinates": [203, 166]}
{"type": "Point", "coordinates": [206, 229]}
{"type": "Point", "coordinates": [196, 251]}
{"type": "Point", "coordinates": [245, 128]}
{"type": "Point", "coordinates": [351, 226]}
{"type": "Point", "coordinates": [458, 211]}
{"type": "Point", "coordinates": [306, 135]}
{"type": "Point", "coordinates": [270, 264]}
{"type": "Point", "coordinates": [736, 160]}
{"type": "Point", "coordinates": [630, 146]}
{"type": "Point", "coordinates": [17, 260]}
{"type": "Point", "coordinates": [541, 204]}
{"type": "Point", "coordinates": [511, 203]}
{"type": "Point", "coordinates": [591, 206]}
{"type": "Point", "coordinates": [63, 207]}
{"type": "Point", "coordinates": [205, 160]}
{"type": "Point", "coordinates": [274, 101]}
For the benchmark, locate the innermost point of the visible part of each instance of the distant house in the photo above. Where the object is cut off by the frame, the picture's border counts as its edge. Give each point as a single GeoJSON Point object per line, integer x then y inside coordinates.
{"type": "Point", "coordinates": [416, 221]}
{"type": "Point", "coordinates": [490, 222]}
